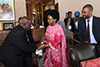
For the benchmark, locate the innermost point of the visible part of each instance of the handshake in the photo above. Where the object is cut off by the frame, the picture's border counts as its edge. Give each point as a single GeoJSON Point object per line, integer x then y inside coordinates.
{"type": "Point", "coordinates": [42, 45]}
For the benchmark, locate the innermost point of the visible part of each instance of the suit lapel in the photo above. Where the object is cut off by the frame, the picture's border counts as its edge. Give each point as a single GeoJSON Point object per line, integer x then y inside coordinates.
{"type": "Point", "coordinates": [84, 28]}
{"type": "Point", "coordinates": [93, 25]}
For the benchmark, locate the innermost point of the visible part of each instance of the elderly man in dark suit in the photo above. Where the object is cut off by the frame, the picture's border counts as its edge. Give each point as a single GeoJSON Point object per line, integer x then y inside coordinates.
{"type": "Point", "coordinates": [17, 44]}
{"type": "Point", "coordinates": [89, 26]}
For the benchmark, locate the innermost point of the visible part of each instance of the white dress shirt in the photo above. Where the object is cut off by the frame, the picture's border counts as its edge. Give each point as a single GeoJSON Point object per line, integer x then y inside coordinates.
{"type": "Point", "coordinates": [68, 24]}
{"type": "Point", "coordinates": [92, 38]}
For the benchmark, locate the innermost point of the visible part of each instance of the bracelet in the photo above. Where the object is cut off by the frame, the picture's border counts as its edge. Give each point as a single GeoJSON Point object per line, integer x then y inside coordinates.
{"type": "Point", "coordinates": [45, 46]}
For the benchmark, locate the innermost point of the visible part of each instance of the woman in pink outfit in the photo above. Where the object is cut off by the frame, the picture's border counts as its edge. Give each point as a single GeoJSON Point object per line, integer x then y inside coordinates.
{"type": "Point", "coordinates": [55, 42]}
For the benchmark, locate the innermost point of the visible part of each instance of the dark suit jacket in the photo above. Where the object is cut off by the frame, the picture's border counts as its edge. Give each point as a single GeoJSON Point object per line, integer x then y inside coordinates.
{"type": "Point", "coordinates": [72, 24]}
{"type": "Point", "coordinates": [82, 33]}
{"type": "Point", "coordinates": [15, 46]}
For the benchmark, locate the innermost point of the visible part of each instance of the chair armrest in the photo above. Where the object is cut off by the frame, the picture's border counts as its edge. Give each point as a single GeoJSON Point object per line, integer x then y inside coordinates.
{"type": "Point", "coordinates": [80, 52]}
{"type": "Point", "coordinates": [74, 40]}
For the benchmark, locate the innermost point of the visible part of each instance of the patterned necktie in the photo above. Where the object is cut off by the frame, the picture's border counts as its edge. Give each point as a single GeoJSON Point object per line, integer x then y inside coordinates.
{"type": "Point", "coordinates": [88, 31]}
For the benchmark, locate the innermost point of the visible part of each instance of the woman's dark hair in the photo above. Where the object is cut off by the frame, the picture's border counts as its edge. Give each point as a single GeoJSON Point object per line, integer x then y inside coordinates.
{"type": "Point", "coordinates": [55, 14]}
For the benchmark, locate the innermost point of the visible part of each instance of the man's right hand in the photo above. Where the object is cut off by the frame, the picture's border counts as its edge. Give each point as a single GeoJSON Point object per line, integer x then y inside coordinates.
{"type": "Point", "coordinates": [86, 41]}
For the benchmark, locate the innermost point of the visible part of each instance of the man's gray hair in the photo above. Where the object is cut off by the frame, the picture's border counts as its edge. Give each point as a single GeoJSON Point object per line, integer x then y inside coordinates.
{"type": "Point", "coordinates": [23, 20]}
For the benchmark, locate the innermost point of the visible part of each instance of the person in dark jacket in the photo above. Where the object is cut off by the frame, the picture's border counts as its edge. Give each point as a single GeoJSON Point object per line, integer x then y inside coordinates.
{"type": "Point", "coordinates": [89, 26]}
{"type": "Point", "coordinates": [70, 22]}
{"type": "Point", "coordinates": [17, 43]}
{"type": "Point", "coordinates": [70, 25]}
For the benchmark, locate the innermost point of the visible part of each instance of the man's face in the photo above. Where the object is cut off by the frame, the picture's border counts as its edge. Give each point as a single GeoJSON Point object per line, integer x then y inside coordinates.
{"type": "Point", "coordinates": [86, 13]}
{"type": "Point", "coordinates": [28, 25]}
{"type": "Point", "coordinates": [70, 15]}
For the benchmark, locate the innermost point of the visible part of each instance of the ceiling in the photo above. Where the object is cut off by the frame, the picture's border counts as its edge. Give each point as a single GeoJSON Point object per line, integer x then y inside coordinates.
{"type": "Point", "coordinates": [43, 1]}
{"type": "Point", "coordinates": [46, 1]}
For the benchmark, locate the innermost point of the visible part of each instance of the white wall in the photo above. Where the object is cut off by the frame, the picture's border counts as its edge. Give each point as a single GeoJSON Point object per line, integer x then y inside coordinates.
{"type": "Point", "coordinates": [76, 5]}
{"type": "Point", "coordinates": [20, 9]}
{"type": "Point", "coordinates": [56, 1]}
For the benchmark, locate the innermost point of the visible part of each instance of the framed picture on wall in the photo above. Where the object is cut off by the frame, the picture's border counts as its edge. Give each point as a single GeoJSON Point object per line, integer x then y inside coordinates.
{"type": "Point", "coordinates": [7, 10]}
{"type": "Point", "coordinates": [8, 26]}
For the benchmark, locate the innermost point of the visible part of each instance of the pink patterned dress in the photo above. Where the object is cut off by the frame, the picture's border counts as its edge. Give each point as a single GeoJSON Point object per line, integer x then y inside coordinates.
{"type": "Point", "coordinates": [55, 54]}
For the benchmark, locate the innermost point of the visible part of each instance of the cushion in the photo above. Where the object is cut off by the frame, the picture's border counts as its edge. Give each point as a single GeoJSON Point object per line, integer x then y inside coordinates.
{"type": "Point", "coordinates": [90, 63]}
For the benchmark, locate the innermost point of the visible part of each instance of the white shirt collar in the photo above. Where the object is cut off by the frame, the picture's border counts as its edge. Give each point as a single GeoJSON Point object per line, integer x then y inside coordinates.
{"type": "Point", "coordinates": [90, 19]}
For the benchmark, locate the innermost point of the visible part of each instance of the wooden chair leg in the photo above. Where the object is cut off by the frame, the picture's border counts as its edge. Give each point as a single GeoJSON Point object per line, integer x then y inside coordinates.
{"type": "Point", "coordinates": [71, 42]}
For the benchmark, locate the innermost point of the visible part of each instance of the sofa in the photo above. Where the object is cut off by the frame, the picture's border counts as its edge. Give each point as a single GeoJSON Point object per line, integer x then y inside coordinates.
{"type": "Point", "coordinates": [82, 52]}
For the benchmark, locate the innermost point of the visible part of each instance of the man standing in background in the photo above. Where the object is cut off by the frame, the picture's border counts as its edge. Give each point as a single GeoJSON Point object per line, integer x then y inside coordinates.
{"type": "Point", "coordinates": [70, 25]}
{"type": "Point", "coordinates": [69, 22]}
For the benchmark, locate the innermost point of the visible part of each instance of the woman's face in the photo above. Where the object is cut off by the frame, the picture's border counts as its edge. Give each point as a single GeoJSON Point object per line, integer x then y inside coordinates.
{"type": "Point", "coordinates": [5, 8]}
{"type": "Point", "coordinates": [51, 20]}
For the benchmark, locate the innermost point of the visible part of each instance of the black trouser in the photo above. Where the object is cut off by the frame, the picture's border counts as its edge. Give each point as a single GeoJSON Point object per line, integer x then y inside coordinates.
{"type": "Point", "coordinates": [28, 59]}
